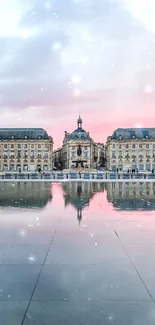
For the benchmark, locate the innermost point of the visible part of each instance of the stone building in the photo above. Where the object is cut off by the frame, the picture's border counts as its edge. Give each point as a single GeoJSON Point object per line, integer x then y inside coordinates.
{"type": "Point", "coordinates": [131, 149]}
{"type": "Point", "coordinates": [57, 159]}
{"type": "Point", "coordinates": [78, 149]}
{"type": "Point", "coordinates": [25, 149]}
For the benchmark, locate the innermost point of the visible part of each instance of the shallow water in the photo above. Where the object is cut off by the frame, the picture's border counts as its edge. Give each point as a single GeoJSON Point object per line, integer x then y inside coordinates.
{"type": "Point", "coordinates": [77, 253]}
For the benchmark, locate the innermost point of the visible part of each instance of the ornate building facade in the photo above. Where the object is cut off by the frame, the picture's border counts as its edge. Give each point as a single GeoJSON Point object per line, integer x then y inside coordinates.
{"type": "Point", "coordinates": [25, 150]}
{"type": "Point", "coordinates": [131, 149]}
{"type": "Point", "coordinates": [78, 149]}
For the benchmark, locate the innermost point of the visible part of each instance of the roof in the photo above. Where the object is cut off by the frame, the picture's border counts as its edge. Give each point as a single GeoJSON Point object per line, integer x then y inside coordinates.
{"type": "Point", "coordinates": [134, 133]}
{"type": "Point", "coordinates": [79, 134]}
{"type": "Point", "coordinates": [23, 133]}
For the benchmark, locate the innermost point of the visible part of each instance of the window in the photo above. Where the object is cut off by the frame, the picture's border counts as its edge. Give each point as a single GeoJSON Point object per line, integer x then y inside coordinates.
{"type": "Point", "coordinates": [140, 146]}
{"type": "Point", "coordinates": [46, 146]}
{"type": "Point", "coordinates": [127, 146]}
{"type": "Point", "coordinates": [12, 146]}
{"type": "Point", "coordinates": [120, 146]}
{"type": "Point", "coordinates": [147, 146]}
{"type": "Point", "coordinates": [32, 146]}
{"type": "Point", "coordinates": [133, 146]}
{"type": "Point", "coordinates": [39, 145]}
{"type": "Point", "coordinates": [113, 146]}
{"type": "Point", "coordinates": [5, 146]}
{"type": "Point", "coordinates": [25, 145]}
{"type": "Point", "coordinates": [86, 148]}
{"type": "Point", "coordinates": [85, 154]}
{"type": "Point", "coordinates": [19, 145]}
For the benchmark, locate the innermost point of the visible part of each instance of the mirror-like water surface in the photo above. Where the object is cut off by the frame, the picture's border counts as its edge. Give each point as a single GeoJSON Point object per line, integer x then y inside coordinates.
{"type": "Point", "coordinates": [77, 253]}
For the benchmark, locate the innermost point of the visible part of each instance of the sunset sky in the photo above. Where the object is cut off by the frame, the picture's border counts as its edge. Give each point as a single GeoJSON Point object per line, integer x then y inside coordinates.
{"type": "Point", "coordinates": [65, 57]}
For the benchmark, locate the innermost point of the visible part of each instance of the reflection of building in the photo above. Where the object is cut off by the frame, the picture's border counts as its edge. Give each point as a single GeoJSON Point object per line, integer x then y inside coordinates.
{"type": "Point", "coordinates": [131, 196]}
{"type": "Point", "coordinates": [25, 149]}
{"type": "Point", "coordinates": [131, 149]}
{"type": "Point", "coordinates": [79, 194]}
{"type": "Point", "coordinates": [25, 194]}
{"type": "Point", "coordinates": [79, 150]}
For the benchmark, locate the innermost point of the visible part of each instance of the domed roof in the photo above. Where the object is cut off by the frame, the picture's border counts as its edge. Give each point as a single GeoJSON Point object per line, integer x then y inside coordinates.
{"type": "Point", "coordinates": [79, 133]}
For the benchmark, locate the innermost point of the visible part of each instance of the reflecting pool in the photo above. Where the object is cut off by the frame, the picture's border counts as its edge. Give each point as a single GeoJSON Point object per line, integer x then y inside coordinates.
{"type": "Point", "coordinates": [77, 253]}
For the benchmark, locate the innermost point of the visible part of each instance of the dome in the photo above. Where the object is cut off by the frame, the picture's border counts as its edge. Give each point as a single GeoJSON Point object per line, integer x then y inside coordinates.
{"type": "Point", "coordinates": [79, 134]}
{"type": "Point", "coordinates": [79, 119]}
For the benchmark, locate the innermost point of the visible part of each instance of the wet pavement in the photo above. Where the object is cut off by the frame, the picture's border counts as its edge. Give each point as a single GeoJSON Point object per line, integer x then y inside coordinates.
{"type": "Point", "coordinates": [77, 253]}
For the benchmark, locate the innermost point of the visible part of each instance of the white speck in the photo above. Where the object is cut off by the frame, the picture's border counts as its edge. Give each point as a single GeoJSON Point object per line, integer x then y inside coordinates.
{"type": "Point", "coordinates": [89, 298]}
{"type": "Point", "coordinates": [150, 53]}
{"type": "Point", "coordinates": [77, 291]}
{"type": "Point", "coordinates": [38, 224]}
{"type": "Point", "coordinates": [33, 13]}
{"type": "Point", "coordinates": [139, 226]}
{"type": "Point", "coordinates": [37, 219]}
{"type": "Point", "coordinates": [92, 235]}
{"type": "Point", "coordinates": [96, 243]}
{"type": "Point", "coordinates": [31, 258]}
{"type": "Point", "coordinates": [47, 5]}
{"type": "Point", "coordinates": [30, 225]}
{"type": "Point", "coordinates": [57, 46]}
{"type": "Point", "coordinates": [1, 290]}
{"type": "Point", "coordinates": [149, 89]}
{"type": "Point", "coordinates": [65, 299]}
{"type": "Point", "coordinates": [13, 184]}
{"type": "Point", "coordinates": [111, 286]}
{"type": "Point", "coordinates": [107, 224]}
{"type": "Point", "coordinates": [84, 226]}
{"type": "Point", "coordinates": [9, 296]}
{"type": "Point", "coordinates": [76, 79]}
{"type": "Point", "coordinates": [101, 311]}
{"type": "Point", "coordinates": [42, 89]}
{"type": "Point", "coordinates": [113, 66]}
{"type": "Point", "coordinates": [76, 92]}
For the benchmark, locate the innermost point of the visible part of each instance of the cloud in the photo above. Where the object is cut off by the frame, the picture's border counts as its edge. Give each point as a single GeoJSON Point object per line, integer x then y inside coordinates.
{"type": "Point", "coordinates": [109, 44]}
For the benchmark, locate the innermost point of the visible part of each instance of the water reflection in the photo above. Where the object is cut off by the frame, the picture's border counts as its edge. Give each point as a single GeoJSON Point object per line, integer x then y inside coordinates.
{"type": "Point", "coordinates": [131, 196]}
{"type": "Point", "coordinates": [25, 195]}
{"type": "Point", "coordinates": [79, 195]}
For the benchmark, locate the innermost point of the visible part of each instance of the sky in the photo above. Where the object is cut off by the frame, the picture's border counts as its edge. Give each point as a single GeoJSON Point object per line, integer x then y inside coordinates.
{"type": "Point", "coordinates": [59, 58]}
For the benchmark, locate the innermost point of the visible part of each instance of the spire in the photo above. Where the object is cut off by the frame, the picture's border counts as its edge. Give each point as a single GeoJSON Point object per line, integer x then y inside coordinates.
{"type": "Point", "coordinates": [79, 123]}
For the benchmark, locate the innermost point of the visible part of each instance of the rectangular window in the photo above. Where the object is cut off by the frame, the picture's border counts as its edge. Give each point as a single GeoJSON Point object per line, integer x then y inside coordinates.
{"type": "Point", "coordinates": [39, 145]}
{"type": "Point", "coordinates": [5, 146]}
{"type": "Point", "coordinates": [85, 154]}
{"type": "Point", "coordinates": [12, 146]}
{"type": "Point", "coordinates": [120, 146]}
{"type": "Point", "coordinates": [113, 146]}
{"type": "Point", "coordinates": [32, 146]}
{"type": "Point", "coordinates": [147, 146]}
{"type": "Point", "coordinates": [25, 145]}
{"type": "Point", "coordinates": [19, 145]}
